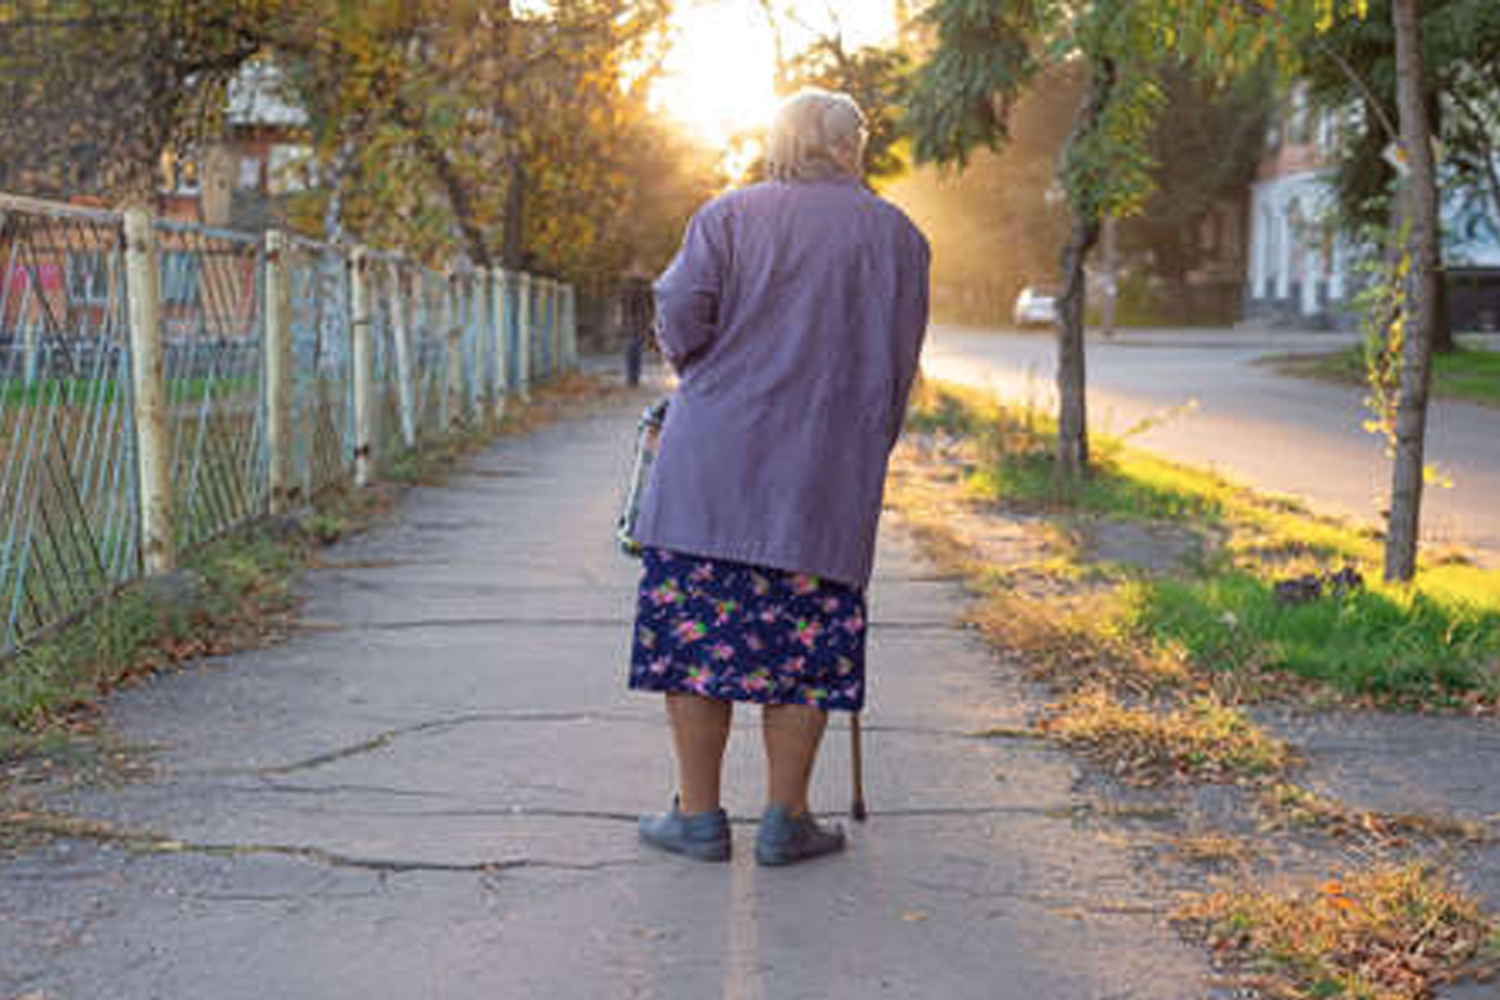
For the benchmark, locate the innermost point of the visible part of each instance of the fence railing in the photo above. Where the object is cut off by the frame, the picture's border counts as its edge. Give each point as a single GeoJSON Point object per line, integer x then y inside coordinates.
{"type": "Point", "coordinates": [162, 383]}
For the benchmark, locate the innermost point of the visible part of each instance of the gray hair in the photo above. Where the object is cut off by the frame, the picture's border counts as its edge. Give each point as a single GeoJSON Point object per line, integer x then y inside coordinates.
{"type": "Point", "coordinates": [807, 129]}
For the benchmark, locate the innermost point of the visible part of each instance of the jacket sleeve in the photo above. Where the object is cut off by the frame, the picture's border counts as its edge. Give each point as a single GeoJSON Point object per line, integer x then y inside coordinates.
{"type": "Point", "coordinates": [911, 330]}
{"type": "Point", "coordinates": [688, 292]}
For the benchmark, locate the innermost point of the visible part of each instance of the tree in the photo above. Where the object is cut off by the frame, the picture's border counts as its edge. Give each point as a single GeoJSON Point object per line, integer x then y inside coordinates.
{"type": "Point", "coordinates": [877, 77]}
{"type": "Point", "coordinates": [986, 54]}
{"type": "Point", "coordinates": [994, 226]}
{"type": "Point", "coordinates": [1408, 468]}
{"type": "Point", "coordinates": [95, 94]}
{"type": "Point", "coordinates": [987, 51]}
{"type": "Point", "coordinates": [467, 125]}
{"type": "Point", "coordinates": [1206, 145]}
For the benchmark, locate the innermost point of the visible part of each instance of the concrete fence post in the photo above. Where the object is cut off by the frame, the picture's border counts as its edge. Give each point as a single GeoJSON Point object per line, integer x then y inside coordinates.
{"type": "Point", "coordinates": [277, 346]}
{"type": "Point", "coordinates": [554, 340]}
{"type": "Point", "coordinates": [148, 384]}
{"type": "Point", "coordinates": [499, 283]}
{"type": "Point", "coordinates": [570, 325]}
{"type": "Point", "coordinates": [454, 332]}
{"type": "Point", "coordinates": [363, 357]}
{"type": "Point", "coordinates": [554, 319]}
{"type": "Point", "coordinates": [523, 330]}
{"type": "Point", "coordinates": [401, 335]}
{"type": "Point", "coordinates": [566, 361]}
{"type": "Point", "coordinates": [476, 345]}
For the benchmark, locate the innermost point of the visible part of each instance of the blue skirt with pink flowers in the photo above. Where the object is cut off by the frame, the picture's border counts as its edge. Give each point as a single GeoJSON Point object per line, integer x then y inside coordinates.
{"type": "Point", "coordinates": [736, 632]}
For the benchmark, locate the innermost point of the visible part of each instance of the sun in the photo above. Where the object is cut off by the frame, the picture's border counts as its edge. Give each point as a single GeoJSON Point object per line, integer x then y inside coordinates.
{"type": "Point", "coordinates": [719, 77]}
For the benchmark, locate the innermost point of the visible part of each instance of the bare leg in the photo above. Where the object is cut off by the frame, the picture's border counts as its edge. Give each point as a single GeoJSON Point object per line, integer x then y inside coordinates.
{"type": "Point", "coordinates": [792, 734]}
{"type": "Point", "coordinates": [700, 730]}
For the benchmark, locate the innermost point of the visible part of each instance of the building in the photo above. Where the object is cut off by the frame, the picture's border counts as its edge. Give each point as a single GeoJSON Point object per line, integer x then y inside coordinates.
{"type": "Point", "coordinates": [1300, 273]}
{"type": "Point", "coordinates": [240, 180]}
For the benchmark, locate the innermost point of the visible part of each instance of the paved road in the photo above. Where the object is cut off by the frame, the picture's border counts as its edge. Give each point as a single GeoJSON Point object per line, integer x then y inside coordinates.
{"type": "Point", "coordinates": [430, 791]}
{"type": "Point", "coordinates": [1279, 434]}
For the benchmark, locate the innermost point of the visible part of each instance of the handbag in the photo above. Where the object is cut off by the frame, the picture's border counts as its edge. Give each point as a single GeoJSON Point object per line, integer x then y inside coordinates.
{"type": "Point", "coordinates": [647, 439]}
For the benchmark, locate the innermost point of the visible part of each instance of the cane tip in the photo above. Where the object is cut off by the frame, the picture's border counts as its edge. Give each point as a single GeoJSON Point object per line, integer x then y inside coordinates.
{"type": "Point", "coordinates": [857, 810]}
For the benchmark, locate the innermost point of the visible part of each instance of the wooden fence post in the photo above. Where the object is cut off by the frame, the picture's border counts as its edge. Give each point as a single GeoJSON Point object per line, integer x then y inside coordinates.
{"type": "Point", "coordinates": [148, 381]}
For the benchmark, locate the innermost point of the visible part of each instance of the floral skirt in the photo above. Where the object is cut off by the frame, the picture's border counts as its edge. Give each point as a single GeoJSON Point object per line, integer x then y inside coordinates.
{"type": "Point", "coordinates": [736, 632]}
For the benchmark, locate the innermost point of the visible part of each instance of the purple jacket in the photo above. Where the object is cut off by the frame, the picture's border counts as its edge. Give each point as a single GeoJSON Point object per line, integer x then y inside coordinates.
{"type": "Point", "coordinates": [794, 314]}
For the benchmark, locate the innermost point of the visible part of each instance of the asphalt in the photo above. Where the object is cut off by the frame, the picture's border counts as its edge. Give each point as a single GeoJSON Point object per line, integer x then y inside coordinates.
{"type": "Point", "coordinates": [1201, 397]}
{"type": "Point", "coordinates": [429, 790]}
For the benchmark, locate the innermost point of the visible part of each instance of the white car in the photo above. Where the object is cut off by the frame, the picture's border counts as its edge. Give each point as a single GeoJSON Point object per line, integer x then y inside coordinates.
{"type": "Point", "coordinates": [1036, 307]}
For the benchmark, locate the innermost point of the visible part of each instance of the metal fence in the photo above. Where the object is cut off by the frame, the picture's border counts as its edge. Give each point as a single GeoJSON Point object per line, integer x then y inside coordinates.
{"type": "Point", "coordinates": [163, 383]}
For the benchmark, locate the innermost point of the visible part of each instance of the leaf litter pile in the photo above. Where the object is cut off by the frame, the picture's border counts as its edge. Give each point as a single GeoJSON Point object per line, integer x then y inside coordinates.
{"type": "Point", "coordinates": [1387, 933]}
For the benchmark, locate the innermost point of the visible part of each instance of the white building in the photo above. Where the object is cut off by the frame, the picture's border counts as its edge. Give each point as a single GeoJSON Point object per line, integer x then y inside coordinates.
{"type": "Point", "coordinates": [1299, 273]}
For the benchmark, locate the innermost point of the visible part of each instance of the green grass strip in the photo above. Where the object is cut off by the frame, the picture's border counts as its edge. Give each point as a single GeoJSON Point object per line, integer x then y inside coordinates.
{"type": "Point", "coordinates": [1436, 641]}
{"type": "Point", "coordinates": [1468, 374]}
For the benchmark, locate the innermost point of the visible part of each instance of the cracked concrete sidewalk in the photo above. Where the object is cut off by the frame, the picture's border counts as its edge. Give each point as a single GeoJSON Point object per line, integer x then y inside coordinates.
{"type": "Point", "coordinates": [429, 790]}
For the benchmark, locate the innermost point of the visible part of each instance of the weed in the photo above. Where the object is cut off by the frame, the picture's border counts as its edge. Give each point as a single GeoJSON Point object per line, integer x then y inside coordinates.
{"type": "Point", "coordinates": [244, 588]}
{"type": "Point", "coordinates": [1286, 804]}
{"type": "Point", "coordinates": [1389, 644]}
{"type": "Point", "coordinates": [1386, 933]}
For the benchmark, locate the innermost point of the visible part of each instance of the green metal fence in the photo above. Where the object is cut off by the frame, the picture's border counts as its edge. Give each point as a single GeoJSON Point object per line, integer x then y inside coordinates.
{"type": "Point", "coordinates": [162, 383]}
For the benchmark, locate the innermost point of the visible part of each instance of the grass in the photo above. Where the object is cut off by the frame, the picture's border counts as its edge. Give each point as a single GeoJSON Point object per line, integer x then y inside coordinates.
{"type": "Point", "coordinates": [1389, 644]}
{"type": "Point", "coordinates": [1391, 932]}
{"type": "Point", "coordinates": [1469, 374]}
{"type": "Point", "coordinates": [244, 586]}
{"type": "Point", "coordinates": [1436, 642]}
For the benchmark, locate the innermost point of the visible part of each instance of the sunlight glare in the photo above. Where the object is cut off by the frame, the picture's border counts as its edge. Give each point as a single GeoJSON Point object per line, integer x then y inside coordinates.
{"type": "Point", "coordinates": [719, 76]}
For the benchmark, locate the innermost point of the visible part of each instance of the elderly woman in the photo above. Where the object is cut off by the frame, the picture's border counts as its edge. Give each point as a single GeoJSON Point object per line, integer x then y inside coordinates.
{"type": "Point", "coordinates": [794, 314]}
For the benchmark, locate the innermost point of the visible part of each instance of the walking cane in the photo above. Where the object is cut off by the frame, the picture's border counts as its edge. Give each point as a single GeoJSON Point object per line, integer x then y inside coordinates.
{"type": "Point", "coordinates": [857, 768]}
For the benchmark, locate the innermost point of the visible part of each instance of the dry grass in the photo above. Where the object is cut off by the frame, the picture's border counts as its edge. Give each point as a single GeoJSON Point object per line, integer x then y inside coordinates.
{"type": "Point", "coordinates": [1291, 805]}
{"type": "Point", "coordinates": [1200, 740]}
{"type": "Point", "coordinates": [1389, 933]}
{"type": "Point", "coordinates": [1213, 849]}
{"type": "Point", "coordinates": [1069, 643]}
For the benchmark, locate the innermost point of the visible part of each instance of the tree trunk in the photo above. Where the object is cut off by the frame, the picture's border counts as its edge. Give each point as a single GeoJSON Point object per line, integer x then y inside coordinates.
{"type": "Point", "coordinates": [1403, 528]}
{"type": "Point", "coordinates": [513, 245]}
{"type": "Point", "coordinates": [460, 200]}
{"type": "Point", "coordinates": [1072, 388]}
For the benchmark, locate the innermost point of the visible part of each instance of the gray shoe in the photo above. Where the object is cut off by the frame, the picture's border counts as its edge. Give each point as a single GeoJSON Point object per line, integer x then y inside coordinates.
{"type": "Point", "coordinates": [785, 839]}
{"type": "Point", "coordinates": [704, 836]}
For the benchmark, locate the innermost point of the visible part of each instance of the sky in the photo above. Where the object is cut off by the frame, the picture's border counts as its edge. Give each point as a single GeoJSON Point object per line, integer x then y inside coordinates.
{"type": "Point", "coordinates": [721, 64]}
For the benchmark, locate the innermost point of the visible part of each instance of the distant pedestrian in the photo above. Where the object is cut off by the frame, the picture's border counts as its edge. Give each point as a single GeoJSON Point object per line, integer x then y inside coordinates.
{"type": "Point", "coordinates": [636, 311]}
{"type": "Point", "coordinates": [794, 314]}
